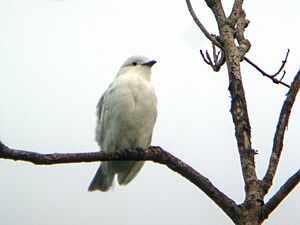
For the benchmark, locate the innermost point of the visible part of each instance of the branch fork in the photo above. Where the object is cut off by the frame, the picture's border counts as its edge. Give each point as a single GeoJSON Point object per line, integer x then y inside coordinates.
{"type": "Point", "coordinates": [274, 76]}
{"type": "Point", "coordinates": [218, 58]}
{"type": "Point", "coordinates": [232, 28]}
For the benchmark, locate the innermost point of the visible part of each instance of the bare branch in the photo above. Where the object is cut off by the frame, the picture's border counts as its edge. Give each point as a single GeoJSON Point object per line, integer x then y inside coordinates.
{"type": "Point", "coordinates": [218, 60]}
{"type": "Point", "coordinates": [238, 109]}
{"type": "Point", "coordinates": [241, 23]}
{"type": "Point", "coordinates": [235, 12]}
{"type": "Point", "coordinates": [155, 154]}
{"type": "Point", "coordinates": [283, 64]}
{"type": "Point", "coordinates": [204, 58]}
{"type": "Point", "coordinates": [230, 29]}
{"type": "Point", "coordinates": [272, 77]}
{"type": "Point", "coordinates": [280, 132]}
{"type": "Point", "coordinates": [281, 194]}
{"type": "Point", "coordinates": [218, 11]}
{"type": "Point", "coordinates": [215, 54]}
{"type": "Point", "coordinates": [210, 37]}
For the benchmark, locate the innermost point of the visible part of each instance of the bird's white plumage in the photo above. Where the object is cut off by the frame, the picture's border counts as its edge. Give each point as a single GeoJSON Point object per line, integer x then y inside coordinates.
{"type": "Point", "coordinates": [126, 116]}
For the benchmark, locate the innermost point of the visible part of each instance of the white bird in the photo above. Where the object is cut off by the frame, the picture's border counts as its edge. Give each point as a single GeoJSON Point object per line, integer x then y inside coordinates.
{"type": "Point", "coordinates": [126, 116]}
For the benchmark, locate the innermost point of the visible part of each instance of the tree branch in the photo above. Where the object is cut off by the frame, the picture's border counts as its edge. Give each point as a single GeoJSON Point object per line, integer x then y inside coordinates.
{"type": "Point", "coordinates": [235, 12]}
{"type": "Point", "coordinates": [272, 77]}
{"type": "Point", "coordinates": [240, 25]}
{"type": "Point", "coordinates": [232, 28]}
{"type": "Point", "coordinates": [238, 109]}
{"type": "Point", "coordinates": [218, 11]}
{"type": "Point", "coordinates": [280, 132]}
{"type": "Point", "coordinates": [155, 154]}
{"type": "Point", "coordinates": [210, 37]}
{"type": "Point", "coordinates": [283, 192]}
{"type": "Point", "coordinates": [218, 60]}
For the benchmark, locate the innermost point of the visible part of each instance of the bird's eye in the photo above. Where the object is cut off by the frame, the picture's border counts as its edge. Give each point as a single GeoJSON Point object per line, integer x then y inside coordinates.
{"type": "Point", "coordinates": [134, 63]}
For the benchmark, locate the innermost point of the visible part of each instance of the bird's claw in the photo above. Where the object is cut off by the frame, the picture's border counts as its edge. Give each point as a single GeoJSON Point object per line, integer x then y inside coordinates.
{"type": "Point", "coordinates": [140, 150]}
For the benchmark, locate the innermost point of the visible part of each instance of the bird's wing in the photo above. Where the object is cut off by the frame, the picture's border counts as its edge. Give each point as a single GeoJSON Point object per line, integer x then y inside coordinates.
{"type": "Point", "coordinates": [149, 140]}
{"type": "Point", "coordinates": [101, 114]}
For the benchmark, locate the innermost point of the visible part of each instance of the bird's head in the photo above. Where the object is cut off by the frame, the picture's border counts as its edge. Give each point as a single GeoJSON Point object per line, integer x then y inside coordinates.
{"type": "Point", "coordinates": [137, 64]}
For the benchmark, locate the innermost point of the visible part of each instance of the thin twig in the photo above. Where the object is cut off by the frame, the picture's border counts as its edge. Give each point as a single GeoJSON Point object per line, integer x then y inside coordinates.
{"type": "Point", "coordinates": [218, 60]}
{"type": "Point", "coordinates": [155, 154]}
{"type": "Point", "coordinates": [208, 57]}
{"type": "Point", "coordinates": [283, 63]}
{"type": "Point", "coordinates": [272, 77]}
{"type": "Point", "coordinates": [215, 54]}
{"type": "Point", "coordinates": [280, 132]}
{"type": "Point", "coordinates": [221, 60]}
{"type": "Point", "coordinates": [212, 38]}
{"type": "Point", "coordinates": [281, 194]}
{"type": "Point", "coordinates": [204, 58]}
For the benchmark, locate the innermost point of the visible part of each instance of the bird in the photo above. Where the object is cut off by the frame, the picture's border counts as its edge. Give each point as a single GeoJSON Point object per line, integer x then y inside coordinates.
{"type": "Point", "coordinates": [126, 115]}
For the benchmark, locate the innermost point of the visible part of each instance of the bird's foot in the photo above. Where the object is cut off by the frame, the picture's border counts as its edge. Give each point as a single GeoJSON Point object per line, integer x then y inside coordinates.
{"type": "Point", "coordinates": [140, 150]}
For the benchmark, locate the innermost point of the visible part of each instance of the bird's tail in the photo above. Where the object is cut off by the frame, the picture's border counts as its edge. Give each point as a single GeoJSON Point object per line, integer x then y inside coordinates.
{"type": "Point", "coordinates": [103, 178]}
{"type": "Point", "coordinates": [125, 176]}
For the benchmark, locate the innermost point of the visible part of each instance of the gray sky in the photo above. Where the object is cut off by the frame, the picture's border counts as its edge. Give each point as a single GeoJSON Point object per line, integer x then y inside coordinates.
{"type": "Point", "coordinates": [58, 56]}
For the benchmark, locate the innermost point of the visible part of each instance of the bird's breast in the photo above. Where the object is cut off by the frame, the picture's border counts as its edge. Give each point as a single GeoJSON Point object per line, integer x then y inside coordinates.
{"type": "Point", "coordinates": [133, 110]}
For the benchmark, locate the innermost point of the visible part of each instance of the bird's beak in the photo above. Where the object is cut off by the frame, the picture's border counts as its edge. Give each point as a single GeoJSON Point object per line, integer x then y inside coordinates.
{"type": "Point", "coordinates": [150, 63]}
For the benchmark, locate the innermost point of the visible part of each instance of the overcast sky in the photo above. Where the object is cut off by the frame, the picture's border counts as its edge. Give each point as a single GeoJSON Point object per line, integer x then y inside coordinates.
{"type": "Point", "coordinates": [58, 56]}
